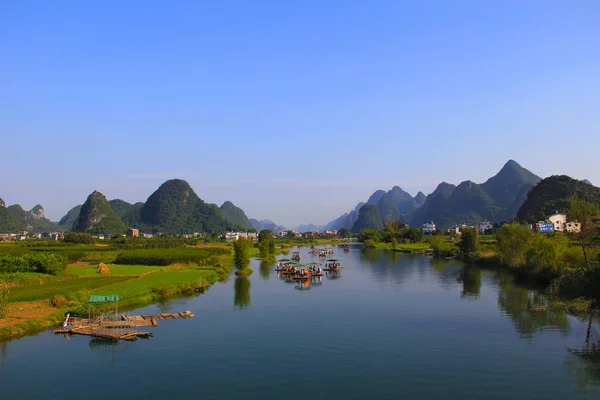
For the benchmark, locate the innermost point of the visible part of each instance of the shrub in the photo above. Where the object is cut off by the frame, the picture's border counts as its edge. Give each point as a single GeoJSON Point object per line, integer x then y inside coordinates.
{"type": "Point", "coordinates": [45, 263]}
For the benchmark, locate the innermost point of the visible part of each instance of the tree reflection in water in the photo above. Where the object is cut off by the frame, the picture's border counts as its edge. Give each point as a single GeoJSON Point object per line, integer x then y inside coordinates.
{"type": "Point", "coordinates": [4, 352]}
{"type": "Point", "coordinates": [471, 280]}
{"type": "Point", "coordinates": [526, 309]}
{"type": "Point", "coordinates": [584, 361]}
{"type": "Point", "coordinates": [265, 269]}
{"type": "Point", "coordinates": [241, 297]}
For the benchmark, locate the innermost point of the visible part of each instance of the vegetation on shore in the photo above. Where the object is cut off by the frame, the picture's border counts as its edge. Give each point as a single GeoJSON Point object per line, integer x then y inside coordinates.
{"type": "Point", "coordinates": [40, 283]}
{"type": "Point", "coordinates": [566, 264]}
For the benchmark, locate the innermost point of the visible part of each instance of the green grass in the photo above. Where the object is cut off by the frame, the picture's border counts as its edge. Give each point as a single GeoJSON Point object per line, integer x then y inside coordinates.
{"type": "Point", "coordinates": [28, 278]}
{"type": "Point", "coordinates": [92, 270]}
{"type": "Point", "coordinates": [405, 247]}
{"type": "Point", "coordinates": [170, 256]}
{"type": "Point", "coordinates": [67, 288]}
{"type": "Point", "coordinates": [161, 284]}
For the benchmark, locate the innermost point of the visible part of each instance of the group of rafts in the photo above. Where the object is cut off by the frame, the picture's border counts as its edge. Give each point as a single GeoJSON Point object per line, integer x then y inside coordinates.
{"type": "Point", "coordinates": [292, 269]}
{"type": "Point", "coordinates": [321, 252]}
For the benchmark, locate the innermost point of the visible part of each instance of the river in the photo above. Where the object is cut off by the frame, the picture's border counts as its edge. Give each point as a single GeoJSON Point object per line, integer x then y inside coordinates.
{"type": "Point", "coordinates": [389, 326]}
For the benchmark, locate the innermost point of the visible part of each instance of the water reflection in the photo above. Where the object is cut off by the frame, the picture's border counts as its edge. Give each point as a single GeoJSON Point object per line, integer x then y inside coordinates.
{"type": "Point", "coordinates": [526, 309]}
{"type": "Point", "coordinates": [165, 306]}
{"type": "Point", "coordinates": [265, 269]}
{"type": "Point", "coordinates": [471, 280]}
{"type": "Point", "coordinates": [584, 361]}
{"type": "Point", "coordinates": [4, 352]}
{"type": "Point", "coordinates": [241, 296]}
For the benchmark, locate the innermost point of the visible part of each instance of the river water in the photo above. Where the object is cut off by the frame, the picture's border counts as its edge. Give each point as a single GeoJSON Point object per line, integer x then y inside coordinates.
{"type": "Point", "coordinates": [389, 326]}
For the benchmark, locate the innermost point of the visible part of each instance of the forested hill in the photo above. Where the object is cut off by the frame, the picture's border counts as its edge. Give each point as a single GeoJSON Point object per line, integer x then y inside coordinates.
{"type": "Point", "coordinates": [235, 215]}
{"type": "Point", "coordinates": [551, 195]}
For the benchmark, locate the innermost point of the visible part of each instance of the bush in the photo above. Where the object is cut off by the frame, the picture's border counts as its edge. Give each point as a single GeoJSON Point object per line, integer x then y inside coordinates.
{"type": "Point", "coordinates": [58, 301]}
{"type": "Point", "coordinates": [78, 238]}
{"type": "Point", "coordinates": [45, 263]}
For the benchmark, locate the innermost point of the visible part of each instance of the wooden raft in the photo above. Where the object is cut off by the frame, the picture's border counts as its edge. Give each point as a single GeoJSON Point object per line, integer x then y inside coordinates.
{"type": "Point", "coordinates": [150, 320]}
{"type": "Point", "coordinates": [116, 329]}
{"type": "Point", "coordinates": [102, 332]}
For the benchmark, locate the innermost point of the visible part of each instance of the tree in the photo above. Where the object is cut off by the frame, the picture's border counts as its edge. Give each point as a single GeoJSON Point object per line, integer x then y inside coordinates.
{"type": "Point", "coordinates": [469, 244]}
{"type": "Point", "coordinates": [345, 233]}
{"type": "Point", "coordinates": [78, 238]}
{"type": "Point", "coordinates": [241, 253]}
{"type": "Point", "coordinates": [266, 243]}
{"type": "Point", "coordinates": [513, 244]}
{"type": "Point", "coordinates": [369, 234]}
{"type": "Point", "coordinates": [586, 213]}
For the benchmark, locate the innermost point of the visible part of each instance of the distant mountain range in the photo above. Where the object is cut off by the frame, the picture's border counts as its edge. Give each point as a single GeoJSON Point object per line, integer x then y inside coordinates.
{"type": "Point", "coordinates": [175, 208]}
{"type": "Point", "coordinates": [265, 224]}
{"type": "Point", "coordinates": [495, 200]}
{"type": "Point", "coordinates": [15, 219]}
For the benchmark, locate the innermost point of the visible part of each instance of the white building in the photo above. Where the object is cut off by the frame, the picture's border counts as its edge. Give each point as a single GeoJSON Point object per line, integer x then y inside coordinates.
{"type": "Point", "coordinates": [428, 227]}
{"type": "Point", "coordinates": [232, 236]}
{"type": "Point", "coordinates": [485, 226]}
{"type": "Point", "coordinates": [560, 223]}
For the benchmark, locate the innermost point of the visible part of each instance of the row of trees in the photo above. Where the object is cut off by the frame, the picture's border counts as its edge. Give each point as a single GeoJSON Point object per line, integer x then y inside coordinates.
{"type": "Point", "coordinates": [571, 262]}
{"type": "Point", "coordinates": [393, 232]}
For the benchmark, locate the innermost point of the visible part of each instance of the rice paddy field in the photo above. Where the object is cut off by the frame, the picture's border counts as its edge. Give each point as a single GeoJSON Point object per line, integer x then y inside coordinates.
{"type": "Point", "coordinates": [139, 277]}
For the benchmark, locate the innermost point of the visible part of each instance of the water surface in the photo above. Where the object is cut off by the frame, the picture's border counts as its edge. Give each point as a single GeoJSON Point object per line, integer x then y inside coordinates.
{"type": "Point", "coordinates": [388, 326]}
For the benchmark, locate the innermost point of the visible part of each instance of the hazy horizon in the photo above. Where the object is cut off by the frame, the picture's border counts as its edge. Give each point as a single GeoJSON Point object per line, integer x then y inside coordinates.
{"type": "Point", "coordinates": [294, 112]}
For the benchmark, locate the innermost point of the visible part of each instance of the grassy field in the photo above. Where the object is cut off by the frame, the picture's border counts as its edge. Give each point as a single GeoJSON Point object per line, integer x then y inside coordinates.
{"type": "Point", "coordinates": [161, 285]}
{"type": "Point", "coordinates": [405, 247]}
{"type": "Point", "coordinates": [66, 287]}
{"type": "Point", "coordinates": [177, 270]}
{"type": "Point", "coordinates": [114, 270]}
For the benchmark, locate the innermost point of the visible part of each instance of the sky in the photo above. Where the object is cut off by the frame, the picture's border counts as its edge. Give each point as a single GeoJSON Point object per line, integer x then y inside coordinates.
{"type": "Point", "coordinates": [293, 110]}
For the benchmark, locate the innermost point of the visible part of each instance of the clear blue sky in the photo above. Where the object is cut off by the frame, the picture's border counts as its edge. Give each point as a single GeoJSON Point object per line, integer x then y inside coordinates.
{"type": "Point", "coordinates": [295, 111]}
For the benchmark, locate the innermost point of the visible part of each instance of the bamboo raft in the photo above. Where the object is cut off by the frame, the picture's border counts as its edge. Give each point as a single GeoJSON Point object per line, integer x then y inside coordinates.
{"type": "Point", "coordinates": [102, 332]}
{"type": "Point", "coordinates": [333, 269]}
{"type": "Point", "coordinates": [301, 278]}
{"type": "Point", "coordinates": [114, 329]}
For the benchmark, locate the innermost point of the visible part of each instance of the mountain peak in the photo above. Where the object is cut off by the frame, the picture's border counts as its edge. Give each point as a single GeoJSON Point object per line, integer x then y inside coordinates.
{"type": "Point", "coordinates": [235, 215]}
{"type": "Point", "coordinates": [37, 211]}
{"type": "Point", "coordinates": [97, 216]}
{"type": "Point", "coordinates": [508, 182]}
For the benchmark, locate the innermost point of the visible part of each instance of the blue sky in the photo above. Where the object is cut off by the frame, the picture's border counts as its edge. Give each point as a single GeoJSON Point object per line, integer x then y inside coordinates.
{"type": "Point", "coordinates": [295, 111]}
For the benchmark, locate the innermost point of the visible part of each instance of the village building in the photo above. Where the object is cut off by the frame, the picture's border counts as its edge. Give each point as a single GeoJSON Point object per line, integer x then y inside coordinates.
{"type": "Point", "coordinates": [485, 226]}
{"type": "Point", "coordinates": [428, 227]}
{"type": "Point", "coordinates": [560, 223]}
{"type": "Point", "coordinates": [133, 233]}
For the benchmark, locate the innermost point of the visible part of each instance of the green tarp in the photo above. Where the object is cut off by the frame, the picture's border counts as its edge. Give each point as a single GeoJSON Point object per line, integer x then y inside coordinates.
{"type": "Point", "coordinates": [104, 299]}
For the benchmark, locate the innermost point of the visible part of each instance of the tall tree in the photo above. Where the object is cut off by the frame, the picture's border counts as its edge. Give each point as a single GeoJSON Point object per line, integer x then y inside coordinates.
{"type": "Point", "coordinates": [586, 213]}
{"type": "Point", "coordinates": [469, 243]}
{"type": "Point", "coordinates": [241, 253]}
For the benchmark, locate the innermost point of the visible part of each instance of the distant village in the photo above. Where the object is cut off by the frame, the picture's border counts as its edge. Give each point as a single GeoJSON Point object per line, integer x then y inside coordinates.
{"type": "Point", "coordinates": [25, 235]}
{"type": "Point", "coordinates": [555, 223]}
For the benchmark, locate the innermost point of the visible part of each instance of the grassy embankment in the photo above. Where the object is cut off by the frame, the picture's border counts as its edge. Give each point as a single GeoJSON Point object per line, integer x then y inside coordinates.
{"type": "Point", "coordinates": [38, 301]}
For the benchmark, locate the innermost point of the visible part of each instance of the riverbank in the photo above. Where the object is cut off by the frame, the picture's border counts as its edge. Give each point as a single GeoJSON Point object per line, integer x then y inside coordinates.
{"type": "Point", "coordinates": [37, 301]}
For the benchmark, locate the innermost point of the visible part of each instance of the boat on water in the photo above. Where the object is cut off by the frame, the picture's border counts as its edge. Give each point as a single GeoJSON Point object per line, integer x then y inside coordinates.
{"type": "Point", "coordinates": [296, 256]}
{"type": "Point", "coordinates": [347, 249]}
{"type": "Point", "coordinates": [333, 264]}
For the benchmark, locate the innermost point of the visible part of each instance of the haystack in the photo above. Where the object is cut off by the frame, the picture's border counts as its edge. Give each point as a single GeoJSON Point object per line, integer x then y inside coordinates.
{"type": "Point", "coordinates": [103, 269]}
